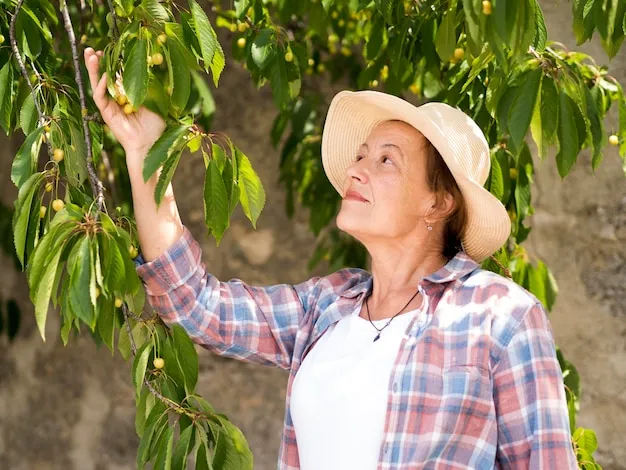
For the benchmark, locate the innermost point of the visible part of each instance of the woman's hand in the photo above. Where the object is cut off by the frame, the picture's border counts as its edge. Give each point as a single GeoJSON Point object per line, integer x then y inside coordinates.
{"type": "Point", "coordinates": [136, 132]}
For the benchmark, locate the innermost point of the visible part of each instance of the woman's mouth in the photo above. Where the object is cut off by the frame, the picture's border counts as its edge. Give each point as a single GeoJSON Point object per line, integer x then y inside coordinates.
{"type": "Point", "coordinates": [355, 196]}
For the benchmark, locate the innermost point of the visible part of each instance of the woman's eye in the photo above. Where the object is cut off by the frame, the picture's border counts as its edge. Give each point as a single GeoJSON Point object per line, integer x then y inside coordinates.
{"type": "Point", "coordinates": [358, 157]}
{"type": "Point", "coordinates": [387, 160]}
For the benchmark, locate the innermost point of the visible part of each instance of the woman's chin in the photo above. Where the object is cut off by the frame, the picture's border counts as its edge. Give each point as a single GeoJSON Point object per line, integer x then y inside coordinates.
{"type": "Point", "coordinates": [352, 224]}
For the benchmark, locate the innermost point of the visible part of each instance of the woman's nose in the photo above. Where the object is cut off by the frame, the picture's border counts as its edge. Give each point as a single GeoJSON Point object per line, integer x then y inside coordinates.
{"type": "Point", "coordinates": [358, 171]}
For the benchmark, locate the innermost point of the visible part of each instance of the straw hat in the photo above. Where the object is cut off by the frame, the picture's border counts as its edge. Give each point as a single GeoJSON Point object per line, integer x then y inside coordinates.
{"type": "Point", "coordinates": [459, 140]}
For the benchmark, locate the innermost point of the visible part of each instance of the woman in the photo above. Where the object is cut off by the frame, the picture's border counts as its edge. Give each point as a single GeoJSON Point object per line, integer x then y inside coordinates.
{"type": "Point", "coordinates": [429, 361]}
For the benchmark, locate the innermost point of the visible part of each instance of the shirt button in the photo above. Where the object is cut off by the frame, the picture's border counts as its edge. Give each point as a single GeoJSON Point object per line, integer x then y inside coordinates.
{"type": "Point", "coordinates": [395, 386]}
{"type": "Point", "coordinates": [386, 447]}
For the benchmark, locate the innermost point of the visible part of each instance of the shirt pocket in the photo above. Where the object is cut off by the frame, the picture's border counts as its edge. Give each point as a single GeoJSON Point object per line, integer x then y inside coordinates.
{"type": "Point", "coordinates": [466, 407]}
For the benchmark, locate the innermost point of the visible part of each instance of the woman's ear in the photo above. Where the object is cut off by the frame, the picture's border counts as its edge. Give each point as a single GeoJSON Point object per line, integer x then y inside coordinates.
{"type": "Point", "coordinates": [445, 206]}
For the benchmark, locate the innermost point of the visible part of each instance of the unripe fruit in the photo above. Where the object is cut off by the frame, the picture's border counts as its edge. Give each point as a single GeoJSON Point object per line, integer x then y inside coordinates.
{"type": "Point", "coordinates": [459, 53]}
{"type": "Point", "coordinates": [159, 362]}
{"type": "Point", "coordinates": [42, 212]}
{"type": "Point", "coordinates": [118, 302]}
{"type": "Point", "coordinates": [311, 62]}
{"type": "Point", "coordinates": [345, 50]}
{"type": "Point", "coordinates": [487, 7]}
{"type": "Point", "coordinates": [321, 68]}
{"type": "Point", "coordinates": [241, 42]}
{"type": "Point", "coordinates": [614, 140]}
{"type": "Point", "coordinates": [341, 23]}
{"type": "Point", "coordinates": [128, 108]}
{"type": "Point", "coordinates": [513, 173]}
{"type": "Point", "coordinates": [157, 59]}
{"type": "Point", "coordinates": [98, 292]}
{"type": "Point", "coordinates": [58, 155]}
{"type": "Point", "coordinates": [1, 39]}
{"type": "Point", "coordinates": [333, 38]}
{"type": "Point", "coordinates": [415, 89]}
{"type": "Point", "coordinates": [58, 205]}
{"type": "Point", "coordinates": [374, 83]}
{"type": "Point", "coordinates": [162, 39]}
{"type": "Point", "coordinates": [49, 187]}
{"type": "Point", "coordinates": [289, 56]}
{"type": "Point", "coordinates": [46, 128]}
{"type": "Point", "coordinates": [83, 39]}
{"type": "Point", "coordinates": [242, 27]}
{"type": "Point", "coordinates": [133, 251]}
{"type": "Point", "coordinates": [121, 100]}
{"type": "Point", "coordinates": [150, 61]}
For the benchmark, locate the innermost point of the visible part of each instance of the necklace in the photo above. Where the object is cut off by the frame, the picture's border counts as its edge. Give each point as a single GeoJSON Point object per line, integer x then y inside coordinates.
{"type": "Point", "coordinates": [387, 324]}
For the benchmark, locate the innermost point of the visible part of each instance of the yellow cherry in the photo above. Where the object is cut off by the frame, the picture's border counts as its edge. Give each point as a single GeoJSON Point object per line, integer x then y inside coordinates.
{"type": "Point", "coordinates": [513, 173]}
{"type": "Point", "coordinates": [614, 140]}
{"type": "Point", "coordinates": [121, 100]}
{"type": "Point", "coordinates": [58, 155]}
{"type": "Point", "coordinates": [161, 39]}
{"type": "Point", "coordinates": [459, 53]}
{"type": "Point", "coordinates": [42, 212]}
{"type": "Point", "coordinates": [487, 7]}
{"type": "Point", "coordinates": [118, 302]}
{"type": "Point", "coordinates": [241, 42]}
{"type": "Point", "coordinates": [158, 362]}
{"type": "Point", "coordinates": [133, 251]}
{"type": "Point", "coordinates": [242, 27]}
{"type": "Point", "coordinates": [58, 205]}
{"type": "Point", "coordinates": [128, 109]}
{"type": "Point", "coordinates": [289, 56]}
{"type": "Point", "coordinates": [157, 59]}
{"type": "Point", "coordinates": [49, 187]}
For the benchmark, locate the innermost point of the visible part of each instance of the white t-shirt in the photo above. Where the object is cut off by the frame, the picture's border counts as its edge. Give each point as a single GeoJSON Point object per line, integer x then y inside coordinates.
{"type": "Point", "coordinates": [339, 395]}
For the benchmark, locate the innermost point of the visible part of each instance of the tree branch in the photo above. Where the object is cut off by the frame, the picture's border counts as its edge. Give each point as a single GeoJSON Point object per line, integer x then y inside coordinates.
{"type": "Point", "coordinates": [22, 66]}
{"type": "Point", "coordinates": [96, 184]}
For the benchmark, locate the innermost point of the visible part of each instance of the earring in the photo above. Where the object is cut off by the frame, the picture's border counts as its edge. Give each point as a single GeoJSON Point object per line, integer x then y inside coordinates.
{"type": "Point", "coordinates": [429, 227]}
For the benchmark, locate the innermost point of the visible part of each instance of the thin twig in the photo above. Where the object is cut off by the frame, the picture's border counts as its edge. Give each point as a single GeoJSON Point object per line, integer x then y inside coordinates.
{"type": "Point", "coordinates": [96, 184]}
{"type": "Point", "coordinates": [116, 31]}
{"type": "Point", "coordinates": [22, 66]}
{"type": "Point", "coordinates": [170, 403]}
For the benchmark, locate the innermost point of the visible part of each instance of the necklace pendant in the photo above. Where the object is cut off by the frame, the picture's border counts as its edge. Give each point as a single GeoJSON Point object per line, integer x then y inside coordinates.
{"type": "Point", "coordinates": [376, 339]}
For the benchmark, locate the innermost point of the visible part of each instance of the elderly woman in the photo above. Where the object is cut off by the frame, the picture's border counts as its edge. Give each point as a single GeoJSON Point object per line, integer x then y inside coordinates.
{"type": "Point", "coordinates": [426, 362]}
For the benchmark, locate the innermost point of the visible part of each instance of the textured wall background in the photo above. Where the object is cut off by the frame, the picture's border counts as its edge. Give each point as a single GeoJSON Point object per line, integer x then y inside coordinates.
{"type": "Point", "coordinates": [73, 407]}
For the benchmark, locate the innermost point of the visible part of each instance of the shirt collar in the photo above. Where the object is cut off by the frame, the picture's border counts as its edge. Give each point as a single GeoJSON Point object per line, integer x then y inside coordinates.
{"type": "Point", "coordinates": [460, 265]}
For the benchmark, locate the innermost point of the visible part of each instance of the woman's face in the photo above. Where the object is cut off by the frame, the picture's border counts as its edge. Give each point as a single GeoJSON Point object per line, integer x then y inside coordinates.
{"type": "Point", "coordinates": [386, 194]}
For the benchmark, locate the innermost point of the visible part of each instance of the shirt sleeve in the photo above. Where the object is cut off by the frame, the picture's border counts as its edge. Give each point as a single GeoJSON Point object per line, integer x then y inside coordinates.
{"type": "Point", "coordinates": [531, 408]}
{"type": "Point", "coordinates": [232, 319]}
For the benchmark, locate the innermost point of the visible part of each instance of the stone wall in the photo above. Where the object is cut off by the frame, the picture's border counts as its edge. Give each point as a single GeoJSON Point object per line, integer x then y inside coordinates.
{"type": "Point", "coordinates": [73, 407]}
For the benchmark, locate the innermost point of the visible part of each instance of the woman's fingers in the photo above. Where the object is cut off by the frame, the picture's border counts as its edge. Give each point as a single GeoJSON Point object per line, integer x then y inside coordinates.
{"type": "Point", "coordinates": [92, 62]}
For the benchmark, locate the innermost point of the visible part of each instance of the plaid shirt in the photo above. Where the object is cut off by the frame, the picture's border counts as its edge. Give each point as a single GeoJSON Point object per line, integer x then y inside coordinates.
{"type": "Point", "coordinates": [476, 384]}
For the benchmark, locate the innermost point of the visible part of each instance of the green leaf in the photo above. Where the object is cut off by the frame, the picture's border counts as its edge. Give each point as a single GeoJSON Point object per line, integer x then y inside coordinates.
{"type": "Point", "coordinates": [496, 181]}
{"type": "Point", "coordinates": [541, 31]}
{"type": "Point", "coordinates": [162, 150]}
{"type": "Point", "coordinates": [6, 96]}
{"type": "Point", "coordinates": [139, 332]}
{"type": "Point", "coordinates": [114, 272]}
{"type": "Point", "coordinates": [169, 167]}
{"type": "Point", "coordinates": [139, 365]}
{"type": "Point", "coordinates": [21, 216]}
{"type": "Point", "coordinates": [202, 457]}
{"type": "Point", "coordinates": [108, 321]}
{"type": "Point", "coordinates": [216, 203]}
{"type": "Point", "coordinates": [445, 41]}
{"type": "Point", "coordinates": [521, 112]}
{"type": "Point", "coordinates": [596, 128]}
{"type": "Point", "coordinates": [25, 162]}
{"type": "Point", "coordinates": [231, 449]}
{"type": "Point", "coordinates": [549, 109]}
{"type": "Point", "coordinates": [186, 356]}
{"type": "Point", "coordinates": [386, 9]}
{"type": "Point", "coordinates": [147, 401]}
{"type": "Point", "coordinates": [567, 134]}
{"type": "Point", "coordinates": [28, 115]}
{"type": "Point", "coordinates": [280, 82]}
{"type": "Point", "coordinates": [212, 53]}
{"type": "Point", "coordinates": [155, 422]}
{"type": "Point", "coordinates": [252, 195]}
{"type": "Point", "coordinates": [522, 187]}
{"type": "Point", "coordinates": [41, 297]}
{"type": "Point", "coordinates": [80, 280]}
{"type": "Point", "coordinates": [263, 49]}
{"type": "Point", "coordinates": [136, 73]}
{"type": "Point", "coordinates": [164, 457]}
{"type": "Point", "coordinates": [182, 80]}
{"type": "Point", "coordinates": [179, 459]}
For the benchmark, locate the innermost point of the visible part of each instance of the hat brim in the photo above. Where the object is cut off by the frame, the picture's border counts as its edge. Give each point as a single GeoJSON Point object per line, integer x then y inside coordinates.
{"type": "Point", "coordinates": [353, 115]}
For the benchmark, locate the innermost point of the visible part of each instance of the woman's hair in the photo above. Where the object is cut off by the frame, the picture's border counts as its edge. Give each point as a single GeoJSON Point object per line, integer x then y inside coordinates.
{"type": "Point", "coordinates": [441, 181]}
